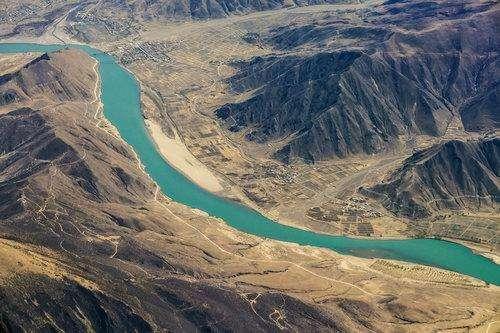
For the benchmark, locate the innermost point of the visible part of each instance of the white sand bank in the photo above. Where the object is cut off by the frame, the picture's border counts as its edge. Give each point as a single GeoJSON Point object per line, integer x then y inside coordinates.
{"type": "Point", "coordinates": [178, 156]}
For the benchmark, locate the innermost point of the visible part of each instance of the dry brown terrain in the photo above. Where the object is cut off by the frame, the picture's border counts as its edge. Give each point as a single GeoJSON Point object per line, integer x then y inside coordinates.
{"type": "Point", "coordinates": [89, 229]}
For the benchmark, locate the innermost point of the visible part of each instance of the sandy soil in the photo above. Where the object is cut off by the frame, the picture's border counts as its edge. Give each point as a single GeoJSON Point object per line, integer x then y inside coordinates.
{"type": "Point", "coordinates": [178, 156]}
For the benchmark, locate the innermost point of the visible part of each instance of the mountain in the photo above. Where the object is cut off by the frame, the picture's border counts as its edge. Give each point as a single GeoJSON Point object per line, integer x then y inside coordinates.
{"type": "Point", "coordinates": [450, 175]}
{"type": "Point", "coordinates": [337, 88]}
{"type": "Point", "coordinates": [203, 9]}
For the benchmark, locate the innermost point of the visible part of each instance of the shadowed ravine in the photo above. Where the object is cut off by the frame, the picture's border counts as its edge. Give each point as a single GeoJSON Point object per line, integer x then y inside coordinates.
{"type": "Point", "coordinates": [121, 100]}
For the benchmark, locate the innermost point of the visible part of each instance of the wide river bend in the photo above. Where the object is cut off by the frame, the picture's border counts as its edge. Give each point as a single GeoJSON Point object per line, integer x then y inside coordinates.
{"type": "Point", "coordinates": [121, 100]}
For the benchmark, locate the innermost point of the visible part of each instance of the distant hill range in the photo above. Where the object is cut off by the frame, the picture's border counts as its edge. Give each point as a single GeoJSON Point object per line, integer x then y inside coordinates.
{"type": "Point", "coordinates": [205, 9]}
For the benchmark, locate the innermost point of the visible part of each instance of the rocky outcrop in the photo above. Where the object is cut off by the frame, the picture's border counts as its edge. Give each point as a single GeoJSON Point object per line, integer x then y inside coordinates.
{"type": "Point", "coordinates": [332, 104]}
{"type": "Point", "coordinates": [451, 175]}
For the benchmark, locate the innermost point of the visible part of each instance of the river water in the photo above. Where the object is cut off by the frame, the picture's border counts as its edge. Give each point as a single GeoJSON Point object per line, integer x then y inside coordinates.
{"type": "Point", "coordinates": [121, 100]}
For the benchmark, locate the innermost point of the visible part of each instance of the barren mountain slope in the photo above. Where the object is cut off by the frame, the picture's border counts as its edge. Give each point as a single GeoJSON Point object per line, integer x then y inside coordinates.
{"type": "Point", "coordinates": [453, 174]}
{"type": "Point", "coordinates": [324, 99]}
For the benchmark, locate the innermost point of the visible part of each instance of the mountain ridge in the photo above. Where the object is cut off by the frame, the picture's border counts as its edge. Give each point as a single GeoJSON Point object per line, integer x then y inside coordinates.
{"type": "Point", "coordinates": [406, 84]}
{"type": "Point", "coordinates": [449, 175]}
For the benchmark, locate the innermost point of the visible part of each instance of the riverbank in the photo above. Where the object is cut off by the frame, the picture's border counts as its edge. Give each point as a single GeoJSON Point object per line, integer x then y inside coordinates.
{"type": "Point", "coordinates": [179, 157]}
{"type": "Point", "coordinates": [479, 249]}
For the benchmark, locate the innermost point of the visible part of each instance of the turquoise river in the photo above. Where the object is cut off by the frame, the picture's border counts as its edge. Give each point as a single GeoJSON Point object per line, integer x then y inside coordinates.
{"type": "Point", "coordinates": [121, 99]}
